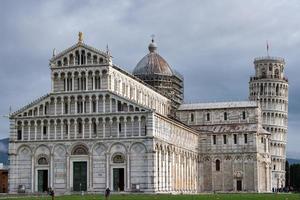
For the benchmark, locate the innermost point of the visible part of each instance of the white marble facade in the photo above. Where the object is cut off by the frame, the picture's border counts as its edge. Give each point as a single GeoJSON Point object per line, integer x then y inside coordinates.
{"type": "Point", "coordinates": [102, 127]}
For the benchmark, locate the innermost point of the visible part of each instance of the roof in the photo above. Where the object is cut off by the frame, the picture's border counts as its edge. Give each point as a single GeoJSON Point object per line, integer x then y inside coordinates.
{"type": "Point", "coordinates": [218, 105]}
{"type": "Point", "coordinates": [233, 128]}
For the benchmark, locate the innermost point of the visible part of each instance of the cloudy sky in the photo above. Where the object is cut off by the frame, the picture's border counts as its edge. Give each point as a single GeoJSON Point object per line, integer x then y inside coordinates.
{"type": "Point", "coordinates": [212, 43]}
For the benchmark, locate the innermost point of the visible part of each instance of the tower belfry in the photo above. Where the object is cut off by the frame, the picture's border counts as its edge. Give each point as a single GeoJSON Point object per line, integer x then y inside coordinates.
{"type": "Point", "coordinates": [269, 86]}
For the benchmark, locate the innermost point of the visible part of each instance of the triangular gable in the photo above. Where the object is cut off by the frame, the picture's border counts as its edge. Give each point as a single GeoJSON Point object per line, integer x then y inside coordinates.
{"type": "Point", "coordinates": [47, 97]}
{"type": "Point", "coordinates": [80, 45]}
{"type": "Point", "coordinates": [30, 105]}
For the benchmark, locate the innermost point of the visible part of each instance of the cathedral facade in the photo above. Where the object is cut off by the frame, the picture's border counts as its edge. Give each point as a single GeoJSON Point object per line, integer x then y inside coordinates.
{"type": "Point", "coordinates": [101, 126]}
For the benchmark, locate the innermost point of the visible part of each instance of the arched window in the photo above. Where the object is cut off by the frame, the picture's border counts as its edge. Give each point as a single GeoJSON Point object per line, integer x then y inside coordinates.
{"type": "Point", "coordinates": [276, 73]}
{"type": "Point", "coordinates": [42, 161]}
{"type": "Point", "coordinates": [79, 127]}
{"type": "Point", "coordinates": [80, 150]}
{"type": "Point", "coordinates": [277, 90]}
{"type": "Point", "coordinates": [261, 89]}
{"type": "Point", "coordinates": [218, 165]}
{"type": "Point", "coordinates": [225, 115]}
{"type": "Point", "coordinates": [244, 115]}
{"type": "Point", "coordinates": [119, 158]}
{"type": "Point", "coordinates": [207, 117]}
{"type": "Point", "coordinates": [192, 117]}
{"type": "Point", "coordinates": [95, 128]}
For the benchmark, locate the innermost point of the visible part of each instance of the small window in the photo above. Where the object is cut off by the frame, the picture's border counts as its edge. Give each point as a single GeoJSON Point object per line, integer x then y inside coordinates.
{"type": "Point", "coordinates": [218, 165]}
{"type": "Point", "coordinates": [79, 127]}
{"type": "Point", "coordinates": [262, 140]}
{"type": "Point", "coordinates": [66, 129]}
{"type": "Point", "coordinates": [94, 106]}
{"type": "Point", "coordinates": [235, 138]}
{"type": "Point", "coordinates": [207, 117]}
{"type": "Point", "coordinates": [214, 139]}
{"type": "Point", "coordinates": [245, 138]}
{"type": "Point", "coordinates": [66, 108]}
{"type": "Point", "coordinates": [244, 115]}
{"type": "Point", "coordinates": [270, 67]}
{"type": "Point", "coordinates": [120, 127]}
{"type": "Point", "coordinates": [95, 128]}
{"type": "Point", "coordinates": [44, 130]}
{"type": "Point", "coordinates": [225, 115]}
{"type": "Point", "coordinates": [192, 117]}
{"type": "Point", "coordinates": [224, 139]}
{"type": "Point", "coordinates": [19, 134]}
{"type": "Point", "coordinates": [274, 167]}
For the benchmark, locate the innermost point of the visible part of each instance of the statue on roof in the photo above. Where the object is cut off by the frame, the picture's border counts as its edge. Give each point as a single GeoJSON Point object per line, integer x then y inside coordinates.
{"type": "Point", "coordinates": [80, 37]}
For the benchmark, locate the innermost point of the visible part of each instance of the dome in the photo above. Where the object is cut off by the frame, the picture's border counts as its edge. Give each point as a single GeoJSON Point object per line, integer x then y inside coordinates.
{"type": "Point", "coordinates": [152, 63]}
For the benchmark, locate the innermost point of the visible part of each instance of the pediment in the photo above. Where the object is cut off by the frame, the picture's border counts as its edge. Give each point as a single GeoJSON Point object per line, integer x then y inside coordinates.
{"type": "Point", "coordinates": [80, 54]}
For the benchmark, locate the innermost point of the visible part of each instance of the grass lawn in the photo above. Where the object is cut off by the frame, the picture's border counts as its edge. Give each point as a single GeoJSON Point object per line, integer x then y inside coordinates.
{"type": "Point", "coordinates": [169, 197]}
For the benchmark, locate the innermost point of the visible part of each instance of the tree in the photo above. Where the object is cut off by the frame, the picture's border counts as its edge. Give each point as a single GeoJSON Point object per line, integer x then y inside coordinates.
{"type": "Point", "coordinates": [295, 176]}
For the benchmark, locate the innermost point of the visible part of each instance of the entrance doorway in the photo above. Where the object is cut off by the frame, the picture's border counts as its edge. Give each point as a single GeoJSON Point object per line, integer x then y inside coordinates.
{"type": "Point", "coordinates": [239, 185]}
{"type": "Point", "coordinates": [42, 180]}
{"type": "Point", "coordinates": [79, 176]}
{"type": "Point", "coordinates": [118, 179]}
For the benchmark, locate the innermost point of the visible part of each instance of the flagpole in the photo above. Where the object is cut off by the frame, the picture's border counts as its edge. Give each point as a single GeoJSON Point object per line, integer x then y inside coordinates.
{"type": "Point", "coordinates": [267, 48]}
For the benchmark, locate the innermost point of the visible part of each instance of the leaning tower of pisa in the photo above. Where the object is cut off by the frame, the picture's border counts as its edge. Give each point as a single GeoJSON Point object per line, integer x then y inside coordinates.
{"type": "Point", "coordinates": [270, 87]}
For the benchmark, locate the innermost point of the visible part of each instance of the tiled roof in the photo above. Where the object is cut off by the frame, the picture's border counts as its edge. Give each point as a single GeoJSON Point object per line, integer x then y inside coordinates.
{"type": "Point", "coordinates": [217, 105]}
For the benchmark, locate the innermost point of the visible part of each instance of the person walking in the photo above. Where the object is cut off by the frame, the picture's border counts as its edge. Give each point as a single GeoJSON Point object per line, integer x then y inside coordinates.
{"type": "Point", "coordinates": [107, 194]}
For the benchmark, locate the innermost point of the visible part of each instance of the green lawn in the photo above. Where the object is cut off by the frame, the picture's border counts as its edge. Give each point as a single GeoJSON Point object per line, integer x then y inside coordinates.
{"type": "Point", "coordinates": [171, 197]}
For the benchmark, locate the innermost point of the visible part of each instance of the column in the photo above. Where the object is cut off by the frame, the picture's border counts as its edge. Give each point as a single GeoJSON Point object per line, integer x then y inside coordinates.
{"type": "Point", "coordinates": [52, 170]}
{"type": "Point", "coordinates": [104, 103]}
{"type": "Point", "coordinates": [107, 170]}
{"type": "Point", "coordinates": [125, 127]}
{"type": "Point", "coordinates": [22, 129]}
{"type": "Point", "coordinates": [103, 127]}
{"type": "Point", "coordinates": [128, 171]}
{"type": "Point", "coordinates": [90, 104]}
{"type": "Point", "coordinates": [118, 129]}
{"type": "Point", "coordinates": [35, 129]}
{"type": "Point", "coordinates": [90, 127]}
{"type": "Point", "coordinates": [29, 131]}
{"type": "Point", "coordinates": [93, 81]}
{"type": "Point", "coordinates": [61, 130]}
{"type": "Point", "coordinates": [69, 105]}
{"type": "Point", "coordinates": [76, 106]}
{"type": "Point", "coordinates": [52, 83]}
{"type": "Point", "coordinates": [97, 104]}
{"type": "Point", "coordinates": [110, 104]}
{"type": "Point", "coordinates": [48, 130]}
{"type": "Point", "coordinates": [42, 133]}
{"type": "Point", "coordinates": [62, 106]}
{"type": "Point", "coordinates": [55, 102]}
{"type": "Point", "coordinates": [73, 80]}
{"type": "Point", "coordinates": [101, 81]}
{"type": "Point", "coordinates": [167, 171]}
{"type": "Point", "coordinates": [86, 82]}
{"type": "Point", "coordinates": [83, 105]}
{"type": "Point", "coordinates": [79, 82]}
{"type": "Point", "coordinates": [139, 126]}
{"type": "Point", "coordinates": [98, 127]}
{"type": "Point", "coordinates": [83, 129]}
{"type": "Point", "coordinates": [75, 129]}
{"type": "Point", "coordinates": [65, 83]}
{"type": "Point", "coordinates": [55, 134]}
{"type": "Point", "coordinates": [68, 124]}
